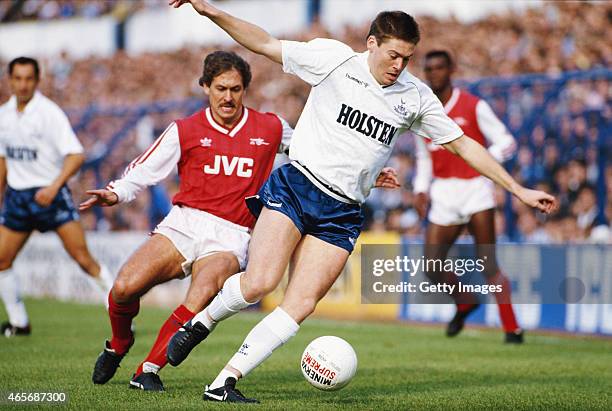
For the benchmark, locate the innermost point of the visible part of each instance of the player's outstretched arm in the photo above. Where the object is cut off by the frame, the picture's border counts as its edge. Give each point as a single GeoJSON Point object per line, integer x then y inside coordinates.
{"type": "Point", "coordinates": [247, 34]}
{"type": "Point", "coordinates": [102, 198]}
{"type": "Point", "coordinates": [478, 157]}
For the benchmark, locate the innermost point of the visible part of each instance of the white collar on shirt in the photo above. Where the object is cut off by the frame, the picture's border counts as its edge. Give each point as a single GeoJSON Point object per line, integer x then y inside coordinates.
{"type": "Point", "coordinates": [34, 101]}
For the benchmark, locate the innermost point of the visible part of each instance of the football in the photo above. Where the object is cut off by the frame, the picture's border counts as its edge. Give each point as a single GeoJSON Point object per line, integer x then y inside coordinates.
{"type": "Point", "coordinates": [329, 363]}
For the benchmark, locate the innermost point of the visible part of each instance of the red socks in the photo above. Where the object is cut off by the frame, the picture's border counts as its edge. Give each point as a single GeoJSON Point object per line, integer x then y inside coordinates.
{"type": "Point", "coordinates": [121, 316]}
{"type": "Point", "coordinates": [504, 302]}
{"type": "Point", "coordinates": [176, 320]}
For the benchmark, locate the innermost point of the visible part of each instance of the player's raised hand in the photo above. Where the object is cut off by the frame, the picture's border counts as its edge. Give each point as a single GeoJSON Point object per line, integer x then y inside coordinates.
{"type": "Point", "coordinates": [387, 178]}
{"type": "Point", "coordinates": [201, 6]}
{"type": "Point", "coordinates": [538, 199]}
{"type": "Point", "coordinates": [102, 198]}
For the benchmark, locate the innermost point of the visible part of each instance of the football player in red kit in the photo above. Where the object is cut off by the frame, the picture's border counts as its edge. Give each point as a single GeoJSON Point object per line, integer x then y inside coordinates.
{"type": "Point", "coordinates": [460, 196]}
{"type": "Point", "coordinates": [224, 153]}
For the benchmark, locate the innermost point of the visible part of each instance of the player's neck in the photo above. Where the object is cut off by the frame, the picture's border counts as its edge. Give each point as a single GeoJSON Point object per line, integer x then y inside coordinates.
{"type": "Point", "coordinates": [445, 94]}
{"type": "Point", "coordinates": [227, 123]}
{"type": "Point", "coordinates": [21, 105]}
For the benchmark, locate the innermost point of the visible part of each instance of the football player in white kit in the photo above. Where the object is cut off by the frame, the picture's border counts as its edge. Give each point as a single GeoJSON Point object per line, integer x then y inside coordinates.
{"type": "Point", "coordinates": [359, 103]}
{"type": "Point", "coordinates": [39, 152]}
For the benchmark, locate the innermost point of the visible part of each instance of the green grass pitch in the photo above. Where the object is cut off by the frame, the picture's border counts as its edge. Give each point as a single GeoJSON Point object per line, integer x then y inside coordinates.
{"type": "Point", "coordinates": [401, 366]}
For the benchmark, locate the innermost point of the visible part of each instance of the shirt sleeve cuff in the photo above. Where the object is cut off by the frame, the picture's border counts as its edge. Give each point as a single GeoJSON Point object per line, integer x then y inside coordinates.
{"type": "Point", "coordinates": [448, 139]}
{"type": "Point", "coordinates": [121, 194]}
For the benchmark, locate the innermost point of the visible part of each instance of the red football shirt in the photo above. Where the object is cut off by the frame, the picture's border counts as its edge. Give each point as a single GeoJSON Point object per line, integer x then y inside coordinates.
{"type": "Point", "coordinates": [219, 167]}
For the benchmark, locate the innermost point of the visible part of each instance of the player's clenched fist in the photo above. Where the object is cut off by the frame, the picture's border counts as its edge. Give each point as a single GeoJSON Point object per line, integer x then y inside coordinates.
{"type": "Point", "coordinates": [102, 198]}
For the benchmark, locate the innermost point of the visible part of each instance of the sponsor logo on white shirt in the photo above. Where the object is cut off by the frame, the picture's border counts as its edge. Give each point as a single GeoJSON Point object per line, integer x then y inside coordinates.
{"type": "Point", "coordinates": [356, 80]}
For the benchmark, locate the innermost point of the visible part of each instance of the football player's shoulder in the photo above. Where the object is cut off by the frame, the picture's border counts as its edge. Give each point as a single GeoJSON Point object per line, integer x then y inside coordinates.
{"type": "Point", "coordinates": [48, 104]}
{"type": "Point", "coordinates": [333, 45]}
{"type": "Point", "coordinates": [197, 117]}
{"type": "Point", "coordinates": [469, 97]}
{"type": "Point", "coordinates": [261, 117]}
{"type": "Point", "coordinates": [48, 110]}
{"type": "Point", "coordinates": [413, 83]}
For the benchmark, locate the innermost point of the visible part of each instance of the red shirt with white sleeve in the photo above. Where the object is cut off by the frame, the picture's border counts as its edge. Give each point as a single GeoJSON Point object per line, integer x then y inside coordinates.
{"type": "Point", "coordinates": [217, 167]}
{"type": "Point", "coordinates": [477, 120]}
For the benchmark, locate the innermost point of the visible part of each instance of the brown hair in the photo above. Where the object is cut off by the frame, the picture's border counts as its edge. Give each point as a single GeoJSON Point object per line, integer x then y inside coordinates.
{"type": "Point", "coordinates": [219, 62]}
{"type": "Point", "coordinates": [395, 24]}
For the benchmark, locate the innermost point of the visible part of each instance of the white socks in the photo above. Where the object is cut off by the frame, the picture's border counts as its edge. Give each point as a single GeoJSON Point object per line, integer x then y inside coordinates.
{"type": "Point", "coordinates": [220, 380]}
{"type": "Point", "coordinates": [270, 333]}
{"type": "Point", "coordinates": [228, 302]}
{"type": "Point", "coordinates": [105, 280]}
{"type": "Point", "coordinates": [9, 290]}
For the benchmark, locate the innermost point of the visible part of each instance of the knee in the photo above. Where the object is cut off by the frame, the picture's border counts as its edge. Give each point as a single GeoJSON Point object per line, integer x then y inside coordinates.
{"type": "Point", "coordinates": [123, 290]}
{"type": "Point", "coordinates": [255, 287]}
{"type": "Point", "coordinates": [300, 309]}
{"type": "Point", "coordinates": [226, 267]}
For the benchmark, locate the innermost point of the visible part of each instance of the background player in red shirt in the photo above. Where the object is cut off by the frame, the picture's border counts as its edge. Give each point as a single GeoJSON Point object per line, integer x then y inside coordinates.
{"type": "Point", "coordinates": [224, 153]}
{"type": "Point", "coordinates": [460, 196]}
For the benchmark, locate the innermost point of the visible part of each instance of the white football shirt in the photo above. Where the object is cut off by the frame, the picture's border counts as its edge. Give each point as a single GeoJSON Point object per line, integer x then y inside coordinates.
{"type": "Point", "coordinates": [350, 122]}
{"type": "Point", "coordinates": [35, 142]}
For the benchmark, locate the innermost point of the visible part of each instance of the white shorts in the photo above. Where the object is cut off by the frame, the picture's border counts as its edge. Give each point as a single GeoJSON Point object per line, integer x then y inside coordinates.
{"type": "Point", "coordinates": [197, 234]}
{"type": "Point", "coordinates": [455, 200]}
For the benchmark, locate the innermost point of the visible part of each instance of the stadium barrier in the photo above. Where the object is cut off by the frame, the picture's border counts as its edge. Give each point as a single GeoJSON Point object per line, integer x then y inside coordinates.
{"type": "Point", "coordinates": [532, 270]}
{"type": "Point", "coordinates": [47, 271]}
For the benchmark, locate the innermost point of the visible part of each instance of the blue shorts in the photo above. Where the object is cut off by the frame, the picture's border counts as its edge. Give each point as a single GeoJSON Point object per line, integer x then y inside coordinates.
{"type": "Point", "coordinates": [22, 213]}
{"type": "Point", "coordinates": [313, 212]}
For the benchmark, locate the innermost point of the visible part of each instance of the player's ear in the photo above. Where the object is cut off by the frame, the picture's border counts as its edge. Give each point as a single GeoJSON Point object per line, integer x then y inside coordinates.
{"type": "Point", "coordinates": [371, 43]}
{"type": "Point", "coordinates": [206, 89]}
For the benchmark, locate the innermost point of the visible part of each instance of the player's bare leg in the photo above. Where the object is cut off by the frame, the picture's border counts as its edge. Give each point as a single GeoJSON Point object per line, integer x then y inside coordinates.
{"type": "Point", "coordinates": [207, 278]}
{"type": "Point", "coordinates": [315, 267]}
{"type": "Point", "coordinates": [272, 243]}
{"type": "Point", "coordinates": [11, 242]}
{"type": "Point", "coordinates": [438, 240]}
{"type": "Point", "coordinates": [274, 240]}
{"type": "Point", "coordinates": [208, 275]}
{"type": "Point", "coordinates": [156, 261]}
{"type": "Point", "coordinates": [73, 239]}
{"type": "Point", "coordinates": [482, 227]}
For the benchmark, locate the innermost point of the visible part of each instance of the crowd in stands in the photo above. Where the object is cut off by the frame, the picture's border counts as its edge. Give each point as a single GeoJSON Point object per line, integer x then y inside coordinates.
{"type": "Point", "coordinates": [560, 127]}
{"type": "Point", "coordinates": [20, 10]}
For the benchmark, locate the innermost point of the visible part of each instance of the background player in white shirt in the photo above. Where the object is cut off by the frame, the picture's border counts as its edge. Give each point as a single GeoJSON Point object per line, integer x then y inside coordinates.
{"type": "Point", "coordinates": [312, 216]}
{"type": "Point", "coordinates": [460, 196]}
{"type": "Point", "coordinates": [39, 152]}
